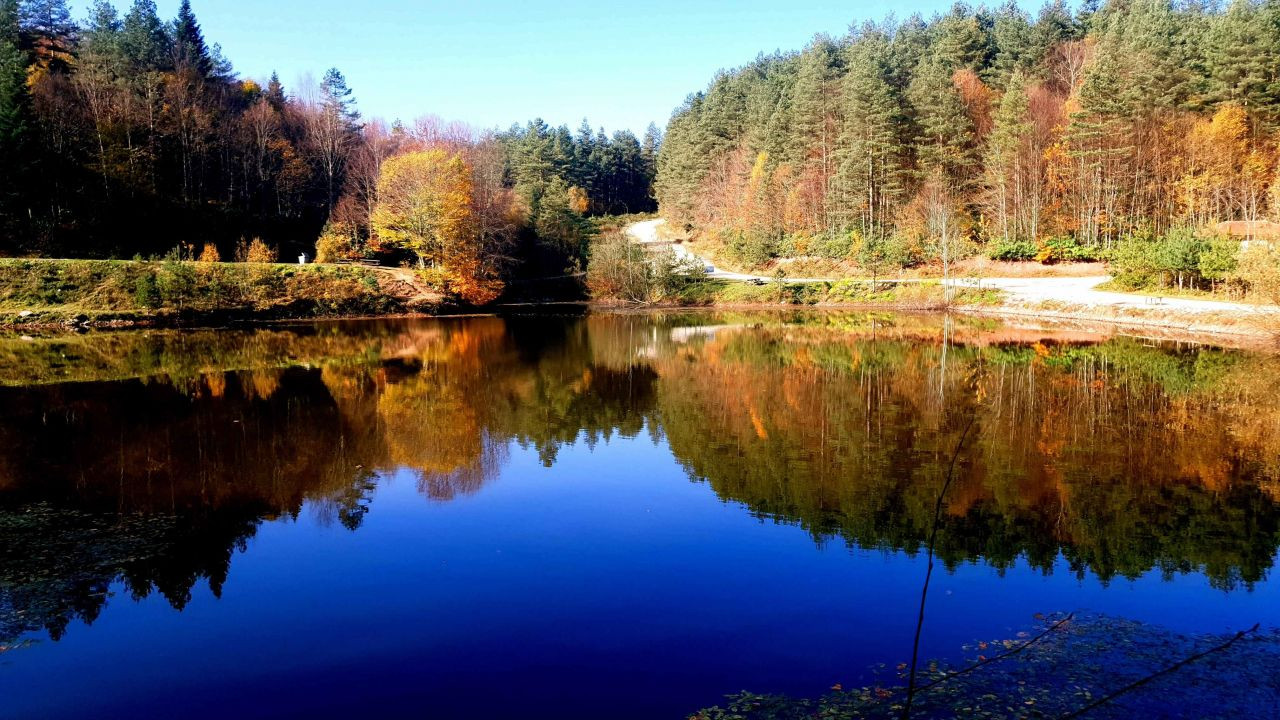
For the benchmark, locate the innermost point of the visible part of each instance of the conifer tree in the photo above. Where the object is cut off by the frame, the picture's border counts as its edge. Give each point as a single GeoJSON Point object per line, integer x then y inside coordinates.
{"type": "Point", "coordinates": [143, 38]}
{"type": "Point", "coordinates": [1006, 177]}
{"type": "Point", "coordinates": [945, 134]}
{"type": "Point", "coordinates": [189, 48]}
{"type": "Point", "coordinates": [872, 172]}
{"type": "Point", "coordinates": [14, 119]}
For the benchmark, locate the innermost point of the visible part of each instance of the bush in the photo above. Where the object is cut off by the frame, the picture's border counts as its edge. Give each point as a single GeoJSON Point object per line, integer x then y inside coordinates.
{"type": "Point", "coordinates": [1064, 248]}
{"type": "Point", "coordinates": [146, 294]}
{"type": "Point", "coordinates": [1180, 257]}
{"type": "Point", "coordinates": [835, 246]}
{"type": "Point", "coordinates": [210, 254]}
{"type": "Point", "coordinates": [338, 241]}
{"type": "Point", "coordinates": [753, 247]}
{"type": "Point", "coordinates": [616, 269]}
{"type": "Point", "coordinates": [901, 251]}
{"type": "Point", "coordinates": [1012, 250]}
{"type": "Point", "coordinates": [621, 270]}
{"type": "Point", "coordinates": [1259, 268]}
{"type": "Point", "coordinates": [255, 252]}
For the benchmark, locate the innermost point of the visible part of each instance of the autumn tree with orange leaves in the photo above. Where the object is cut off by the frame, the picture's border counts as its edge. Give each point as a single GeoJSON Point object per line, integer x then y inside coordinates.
{"type": "Point", "coordinates": [425, 206]}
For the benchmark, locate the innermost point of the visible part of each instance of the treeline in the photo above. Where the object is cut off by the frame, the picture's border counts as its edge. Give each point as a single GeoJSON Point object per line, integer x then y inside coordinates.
{"type": "Point", "coordinates": [128, 134]}
{"type": "Point", "coordinates": [987, 129]}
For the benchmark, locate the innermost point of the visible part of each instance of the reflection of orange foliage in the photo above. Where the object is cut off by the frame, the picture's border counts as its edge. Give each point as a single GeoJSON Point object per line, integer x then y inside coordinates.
{"type": "Point", "coordinates": [217, 384]}
{"type": "Point", "coordinates": [758, 424]}
{"type": "Point", "coordinates": [264, 383]}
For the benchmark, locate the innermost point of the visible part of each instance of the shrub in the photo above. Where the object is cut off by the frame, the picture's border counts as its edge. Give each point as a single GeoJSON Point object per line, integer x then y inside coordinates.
{"type": "Point", "coordinates": [1259, 268]}
{"type": "Point", "coordinates": [209, 254]}
{"type": "Point", "coordinates": [616, 269]}
{"type": "Point", "coordinates": [902, 251]}
{"type": "Point", "coordinates": [145, 293]}
{"type": "Point", "coordinates": [620, 270]}
{"type": "Point", "coordinates": [1064, 248]}
{"type": "Point", "coordinates": [1180, 257]}
{"type": "Point", "coordinates": [753, 247]}
{"type": "Point", "coordinates": [836, 245]}
{"type": "Point", "coordinates": [338, 241]}
{"type": "Point", "coordinates": [1012, 250]}
{"type": "Point", "coordinates": [260, 252]}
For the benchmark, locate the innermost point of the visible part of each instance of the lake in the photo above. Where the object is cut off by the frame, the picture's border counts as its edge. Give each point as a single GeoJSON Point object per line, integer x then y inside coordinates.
{"type": "Point", "coordinates": [605, 515]}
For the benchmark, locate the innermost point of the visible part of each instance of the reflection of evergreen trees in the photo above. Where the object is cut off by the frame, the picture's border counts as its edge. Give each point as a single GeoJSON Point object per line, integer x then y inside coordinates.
{"type": "Point", "coordinates": [1118, 456]}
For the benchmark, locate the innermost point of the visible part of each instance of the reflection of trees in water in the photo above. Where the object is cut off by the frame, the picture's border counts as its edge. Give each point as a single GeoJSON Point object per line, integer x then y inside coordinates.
{"type": "Point", "coordinates": [1117, 456]}
{"type": "Point", "coordinates": [1121, 457]}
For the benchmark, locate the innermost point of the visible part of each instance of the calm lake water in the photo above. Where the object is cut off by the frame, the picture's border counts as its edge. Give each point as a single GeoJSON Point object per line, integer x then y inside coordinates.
{"type": "Point", "coordinates": [623, 516]}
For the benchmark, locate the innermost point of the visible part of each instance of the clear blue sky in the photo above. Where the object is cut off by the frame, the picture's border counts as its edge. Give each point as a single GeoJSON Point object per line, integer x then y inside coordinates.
{"type": "Point", "coordinates": [491, 63]}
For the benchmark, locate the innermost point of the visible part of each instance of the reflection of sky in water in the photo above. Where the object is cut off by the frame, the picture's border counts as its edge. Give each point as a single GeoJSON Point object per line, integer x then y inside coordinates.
{"type": "Point", "coordinates": [610, 574]}
{"type": "Point", "coordinates": [479, 577]}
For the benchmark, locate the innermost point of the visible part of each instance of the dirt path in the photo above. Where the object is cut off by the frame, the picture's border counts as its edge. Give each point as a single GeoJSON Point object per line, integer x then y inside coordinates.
{"type": "Point", "coordinates": [1081, 291]}
{"type": "Point", "coordinates": [646, 233]}
{"type": "Point", "coordinates": [405, 284]}
{"type": "Point", "coordinates": [1078, 292]}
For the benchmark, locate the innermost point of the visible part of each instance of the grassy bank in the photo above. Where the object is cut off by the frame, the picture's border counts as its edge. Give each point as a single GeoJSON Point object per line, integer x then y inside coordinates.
{"type": "Point", "coordinates": [128, 292]}
{"type": "Point", "coordinates": [712, 292]}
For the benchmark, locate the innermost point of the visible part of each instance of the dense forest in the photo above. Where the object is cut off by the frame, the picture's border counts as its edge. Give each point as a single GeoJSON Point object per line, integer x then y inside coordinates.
{"type": "Point", "coordinates": [126, 134]}
{"type": "Point", "coordinates": [1059, 136]}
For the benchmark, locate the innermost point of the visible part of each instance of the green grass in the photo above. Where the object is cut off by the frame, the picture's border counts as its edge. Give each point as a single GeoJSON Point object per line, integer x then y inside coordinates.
{"type": "Point", "coordinates": [715, 291]}
{"type": "Point", "coordinates": [125, 290]}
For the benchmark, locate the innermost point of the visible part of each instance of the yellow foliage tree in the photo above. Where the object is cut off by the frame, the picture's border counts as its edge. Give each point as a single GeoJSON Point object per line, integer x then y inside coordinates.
{"type": "Point", "coordinates": [578, 200]}
{"type": "Point", "coordinates": [424, 205]}
{"type": "Point", "coordinates": [1225, 172]}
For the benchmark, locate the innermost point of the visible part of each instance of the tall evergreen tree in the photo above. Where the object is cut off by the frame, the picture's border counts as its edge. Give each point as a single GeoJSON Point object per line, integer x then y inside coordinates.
{"type": "Point", "coordinates": [814, 106]}
{"type": "Point", "coordinates": [871, 179]}
{"type": "Point", "coordinates": [189, 48]}
{"type": "Point", "coordinates": [1006, 178]}
{"type": "Point", "coordinates": [47, 18]}
{"type": "Point", "coordinates": [1016, 44]}
{"type": "Point", "coordinates": [15, 120]}
{"type": "Point", "coordinates": [1240, 57]}
{"type": "Point", "coordinates": [275, 92]}
{"type": "Point", "coordinates": [143, 38]}
{"type": "Point", "coordinates": [945, 139]}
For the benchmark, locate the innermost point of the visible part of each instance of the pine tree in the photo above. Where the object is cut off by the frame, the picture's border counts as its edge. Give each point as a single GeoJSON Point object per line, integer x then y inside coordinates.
{"type": "Point", "coordinates": [1100, 136]}
{"type": "Point", "coordinates": [339, 99]}
{"type": "Point", "coordinates": [1005, 177]}
{"type": "Point", "coordinates": [814, 106]}
{"type": "Point", "coordinates": [47, 18]}
{"type": "Point", "coordinates": [15, 120]}
{"type": "Point", "coordinates": [649, 148]}
{"type": "Point", "coordinates": [49, 34]}
{"type": "Point", "coordinates": [1242, 51]}
{"type": "Point", "coordinates": [101, 35]}
{"type": "Point", "coordinates": [962, 41]}
{"type": "Point", "coordinates": [143, 39]}
{"type": "Point", "coordinates": [871, 178]}
{"type": "Point", "coordinates": [1016, 44]}
{"type": "Point", "coordinates": [335, 127]}
{"type": "Point", "coordinates": [275, 91]}
{"type": "Point", "coordinates": [945, 139]}
{"type": "Point", "coordinates": [189, 48]}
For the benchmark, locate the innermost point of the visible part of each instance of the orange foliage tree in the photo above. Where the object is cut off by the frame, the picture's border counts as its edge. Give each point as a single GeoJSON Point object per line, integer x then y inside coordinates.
{"type": "Point", "coordinates": [425, 205]}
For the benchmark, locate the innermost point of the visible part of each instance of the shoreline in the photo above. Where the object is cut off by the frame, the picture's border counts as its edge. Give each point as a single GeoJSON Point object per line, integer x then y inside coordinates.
{"type": "Point", "coordinates": [1167, 326]}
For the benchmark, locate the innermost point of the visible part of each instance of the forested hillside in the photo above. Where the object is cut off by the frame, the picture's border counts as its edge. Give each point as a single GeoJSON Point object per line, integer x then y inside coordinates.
{"type": "Point", "coordinates": [125, 134]}
{"type": "Point", "coordinates": [1060, 135]}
